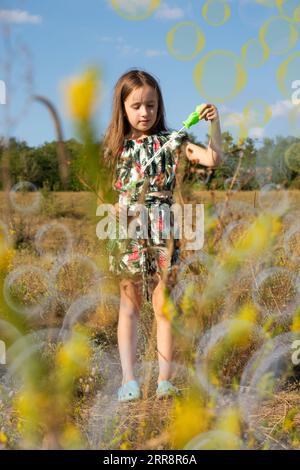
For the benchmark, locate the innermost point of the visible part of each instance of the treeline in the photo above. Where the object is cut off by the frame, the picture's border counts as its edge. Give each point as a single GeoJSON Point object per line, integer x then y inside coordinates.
{"type": "Point", "coordinates": [244, 167]}
{"type": "Point", "coordinates": [252, 166]}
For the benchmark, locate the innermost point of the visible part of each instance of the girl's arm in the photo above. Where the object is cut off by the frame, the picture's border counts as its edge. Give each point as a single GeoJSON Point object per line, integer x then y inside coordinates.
{"type": "Point", "coordinates": [212, 155]}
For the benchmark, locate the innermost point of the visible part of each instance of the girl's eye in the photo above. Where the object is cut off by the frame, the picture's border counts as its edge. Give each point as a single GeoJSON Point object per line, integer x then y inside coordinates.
{"type": "Point", "coordinates": [149, 106]}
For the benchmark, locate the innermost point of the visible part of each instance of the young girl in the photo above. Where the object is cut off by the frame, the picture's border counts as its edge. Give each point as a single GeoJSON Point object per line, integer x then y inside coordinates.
{"type": "Point", "coordinates": [145, 266]}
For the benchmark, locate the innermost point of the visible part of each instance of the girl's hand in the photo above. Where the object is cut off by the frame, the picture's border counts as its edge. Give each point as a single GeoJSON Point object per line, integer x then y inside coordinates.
{"type": "Point", "coordinates": [209, 112]}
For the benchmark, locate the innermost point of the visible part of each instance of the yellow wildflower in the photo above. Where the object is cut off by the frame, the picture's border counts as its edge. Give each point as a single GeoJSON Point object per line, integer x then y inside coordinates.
{"type": "Point", "coordinates": [6, 254]}
{"type": "Point", "coordinates": [73, 356]}
{"type": "Point", "coordinates": [295, 327]}
{"type": "Point", "coordinates": [289, 420]}
{"type": "Point", "coordinates": [71, 437]}
{"type": "Point", "coordinates": [3, 438]}
{"type": "Point", "coordinates": [81, 95]}
{"type": "Point", "coordinates": [168, 308]}
{"type": "Point", "coordinates": [125, 446]}
{"type": "Point", "coordinates": [230, 421]}
{"type": "Point", "coordinates": [248, 313]}
{"type": "Point", "coordinates": [191, 417]}
{"type": "Point", "coordinates": [259, 234]}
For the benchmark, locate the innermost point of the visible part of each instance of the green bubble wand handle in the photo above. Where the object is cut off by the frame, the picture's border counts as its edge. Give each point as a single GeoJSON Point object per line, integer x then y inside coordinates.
{"type": "Point", "coordinates": [192, 119]}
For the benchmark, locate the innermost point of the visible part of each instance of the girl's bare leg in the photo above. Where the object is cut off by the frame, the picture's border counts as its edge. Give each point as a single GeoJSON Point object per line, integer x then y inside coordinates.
{"type": "Point", "coordinates": [164, 333]}
{"type": "Point", "coordinates": [130, 304]}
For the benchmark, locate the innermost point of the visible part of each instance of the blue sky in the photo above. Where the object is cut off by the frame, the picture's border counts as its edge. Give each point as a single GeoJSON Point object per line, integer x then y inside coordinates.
{"type": "Point", "coordinates": [63, 37]}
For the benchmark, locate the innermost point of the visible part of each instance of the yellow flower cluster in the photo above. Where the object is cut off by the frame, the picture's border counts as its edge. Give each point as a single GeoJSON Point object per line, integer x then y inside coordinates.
{"type": "Point", "coordinates": [6, 256]}
{"type": "Point", "coordinates": [240, 331]}
{"type": "Point", "coordinates": [295, 327]}
{"type": "Point", "coordinates": [81, 95]}
{"type": "Point", "coordinates": [191, 417]}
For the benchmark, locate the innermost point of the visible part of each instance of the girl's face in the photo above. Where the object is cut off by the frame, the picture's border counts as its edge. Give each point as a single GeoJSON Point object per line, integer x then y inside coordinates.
{"type": "Point", "coordinates": [141, 109]}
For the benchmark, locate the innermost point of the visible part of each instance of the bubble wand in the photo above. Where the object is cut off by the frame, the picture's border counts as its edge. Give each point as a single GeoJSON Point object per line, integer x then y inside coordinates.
{"type": "Point", "coordinates": [192, 119]}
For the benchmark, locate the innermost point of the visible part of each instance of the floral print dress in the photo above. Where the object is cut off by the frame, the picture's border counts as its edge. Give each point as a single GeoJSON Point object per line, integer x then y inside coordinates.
{"type": "Point", "coordinates": [144, 256]}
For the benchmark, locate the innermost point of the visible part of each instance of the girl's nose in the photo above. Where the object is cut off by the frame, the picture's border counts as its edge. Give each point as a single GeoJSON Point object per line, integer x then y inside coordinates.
{"type": "Point", "coordinates": [144, 111]}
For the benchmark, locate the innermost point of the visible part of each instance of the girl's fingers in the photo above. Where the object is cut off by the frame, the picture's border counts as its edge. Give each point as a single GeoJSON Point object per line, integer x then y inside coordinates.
{"type": "Point", "coordinates": [205, 106]}
{"type": "Point", "coordinates": [208, 112]}
{"type": "Point", "coordinates": [203, 113]}
{"type": "Point", "coordinates": [203, 110]}
{"type": "Point", "coordinates": [213, 113]}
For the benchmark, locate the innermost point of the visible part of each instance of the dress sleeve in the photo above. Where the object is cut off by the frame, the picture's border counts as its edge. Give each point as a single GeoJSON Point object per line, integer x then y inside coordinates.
{"type": "Point", "coordinates": [123, 168]}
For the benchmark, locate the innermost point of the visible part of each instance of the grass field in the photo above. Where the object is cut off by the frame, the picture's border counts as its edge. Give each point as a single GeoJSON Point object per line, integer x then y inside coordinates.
{"type": "Point", "coordinates": [236, 318]}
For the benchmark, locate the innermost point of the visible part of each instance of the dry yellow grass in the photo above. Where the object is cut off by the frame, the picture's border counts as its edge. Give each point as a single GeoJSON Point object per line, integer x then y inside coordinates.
{"type": "Point", "coordinates": [149, 423]}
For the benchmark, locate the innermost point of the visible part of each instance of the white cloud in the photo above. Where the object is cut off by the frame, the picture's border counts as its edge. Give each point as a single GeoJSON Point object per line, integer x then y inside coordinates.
{"type": "Point", "coordinates": [155, 53]}
{"type": "Point", "coordinates": [281, 108]}
{"type": "Point", "coordinates": [2, 92]}
{"type": "Point", "coordinates": [19, 16]}
{"type": "Point", "coordinates": [233, 119]}
{"type": "Point", "coordinates": [120, 45]}
{"type": "Point", "coordinates": [257, 132]}
{"type": "Point", "coordinates": [225, 109]}
{"type": "Point", "coordinates": [127, 49]}
{"type": "Point", "coordinates": [132, 7]}
{"type": "Point", "coordinates": [106, 39]}
{"type": "Point", "coordinates": [165, 12]}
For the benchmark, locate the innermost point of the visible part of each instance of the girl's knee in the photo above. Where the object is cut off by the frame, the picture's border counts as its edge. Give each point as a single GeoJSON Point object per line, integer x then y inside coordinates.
{"type": "Point", "coordinates": [128, 312]}
{"type": "Point", "coordinates": [130, 297]}
{"type": "Point", "coordinates": [159, 299]}
{"type": "Point", "coordinates": [159, 290]}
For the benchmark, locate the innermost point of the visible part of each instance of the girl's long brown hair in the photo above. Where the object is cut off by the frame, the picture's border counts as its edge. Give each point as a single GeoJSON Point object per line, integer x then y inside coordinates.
{"type": "Point", "coordinates": [119, 126]}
